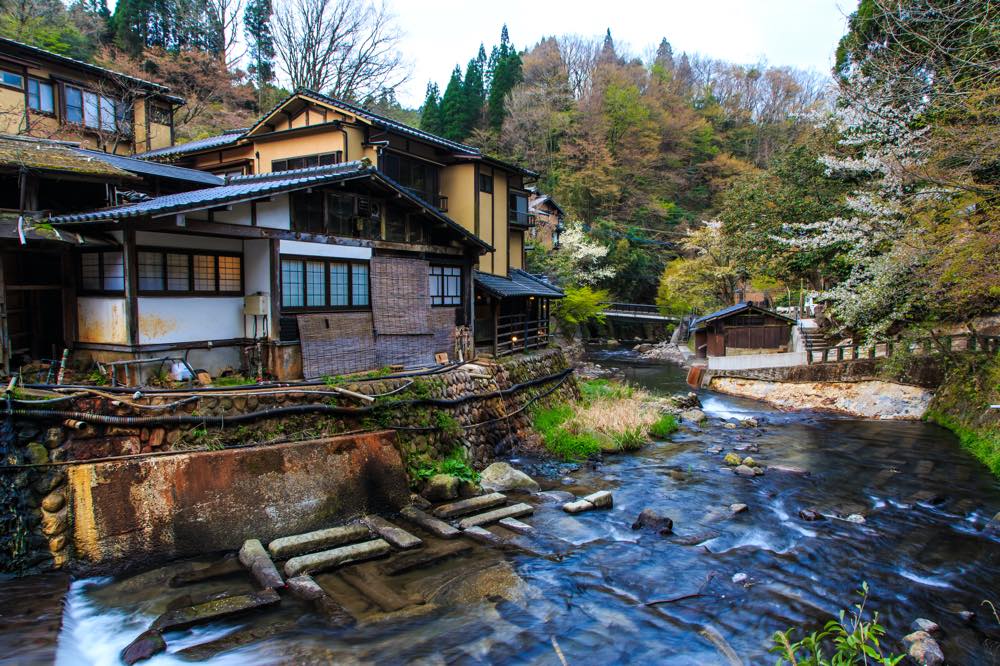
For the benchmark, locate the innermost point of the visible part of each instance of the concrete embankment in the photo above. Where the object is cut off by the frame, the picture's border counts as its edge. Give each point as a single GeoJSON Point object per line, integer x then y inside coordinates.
{"type": "Point", "coordinates": [852, 388]}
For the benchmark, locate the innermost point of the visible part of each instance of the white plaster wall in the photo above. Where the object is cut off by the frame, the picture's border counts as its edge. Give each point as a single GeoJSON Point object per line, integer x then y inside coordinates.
{"type": "Point", "coordinates": [172, 319]}
{"type": "Point", "coordinates": [753, 361]}
{"type": "Point", "coordinates": [257, 278]}
{"type": "Point", "coordinates": [101, 319]}
{"type": "Point", "coordinates": [274, 214]}
{"type": "Point", "coordinates": [324, 250]}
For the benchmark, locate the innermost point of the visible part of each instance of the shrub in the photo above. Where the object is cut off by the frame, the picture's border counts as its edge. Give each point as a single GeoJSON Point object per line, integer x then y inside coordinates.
{"type": "Point", "coordinates": [454, 464]}
{"type": "Point", "coordinates": [664, 426]}
{"type": "Point", "coordinates": [580, 305]}
{"type": "Point", "coordinates": [850, 641]}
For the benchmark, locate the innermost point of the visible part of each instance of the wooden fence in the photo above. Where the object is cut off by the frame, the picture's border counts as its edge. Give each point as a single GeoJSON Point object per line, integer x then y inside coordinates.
{"type": "Point", "coordinates": [965, 342]}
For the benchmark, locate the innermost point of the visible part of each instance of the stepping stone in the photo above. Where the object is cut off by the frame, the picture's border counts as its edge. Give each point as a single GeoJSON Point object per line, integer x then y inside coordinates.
{"type": "Point", "coordinates": [515, 525]}
{"type": "Point", "coordinates": [375, 589]}
{"type": "Point", "coordinates": [602, 499]}
{"type": "Point", "coordinates": [180, 618]}
{"type": "Point", "coordinates": [430, 523]}
{"type": "Point", "coordinates": [307, 589]}
{"type": "Point", "coordinates": [328, 559]}
{"type": "Point", "coordinates": [227, 566]}
{"type": "Point", "coordinates": [471, 505]}
{"type": "Point", "coordinates": [397, 536]}
{"type": "Point", "coordinates": [513, 511]}
{"type": "Point", "coordinates": [299, 544]}
{"type": "Point", "coordinates": [424, 557]}
{"type": "Point", "coordinates": [579, 506]}
{"type": "Point", "coordinates": [254, 557]}
{"type": "Point", "coordinates": [485, 536]}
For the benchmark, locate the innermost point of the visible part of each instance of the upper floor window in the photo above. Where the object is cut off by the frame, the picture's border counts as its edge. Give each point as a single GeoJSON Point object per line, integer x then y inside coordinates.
{"type": "Point", "coordinates": [160, 115]}
{"type": "Point", "coordinates": [486, 183]}
{"type": "Point", "coordinates": [40, 96]}
{"type": "Point", "coordinates": [445, 285]}
{"type": "Point", "coordinates": [335, 214]}
{"type": "Point", "coordinates": [306, 161]}
{"type": "Point", "coordinates": [12, 79]}
{"type": "Point", "coordinates": [419, 177]}
{"type": "Point", "coordinates": [95, 111]}
{"type": "Point", "coordinates": [518, 213]}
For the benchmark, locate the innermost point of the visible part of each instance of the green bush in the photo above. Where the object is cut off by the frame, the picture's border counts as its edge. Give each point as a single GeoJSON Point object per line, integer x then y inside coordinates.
{"type": "Point", "coordinates": [580, 305]}
{"type": "Point", "coordinates": [561, 441]}
{"type": "Point", "coordinates": [455, 464]}
{"type": "Point", "coordinates": [664, 426]}
{"type": "Point", "coordinates": [848, 640]}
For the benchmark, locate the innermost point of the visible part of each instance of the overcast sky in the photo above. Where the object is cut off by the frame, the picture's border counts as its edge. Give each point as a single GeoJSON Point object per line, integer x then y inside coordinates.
{"type": "Point", "coordinates": [799, 33]}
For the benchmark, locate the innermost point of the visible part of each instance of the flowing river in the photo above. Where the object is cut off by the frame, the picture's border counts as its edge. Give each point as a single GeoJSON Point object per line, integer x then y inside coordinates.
{"type": "Point", "coordinates": [583, 596]}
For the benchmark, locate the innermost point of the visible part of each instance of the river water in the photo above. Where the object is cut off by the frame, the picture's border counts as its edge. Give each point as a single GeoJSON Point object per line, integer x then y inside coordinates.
{"type": "Point", "coordinates": [582, 594]}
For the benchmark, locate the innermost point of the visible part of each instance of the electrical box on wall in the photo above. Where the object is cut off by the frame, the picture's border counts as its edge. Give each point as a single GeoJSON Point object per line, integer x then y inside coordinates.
{"type": "Point", "coordinates": [255, 304]}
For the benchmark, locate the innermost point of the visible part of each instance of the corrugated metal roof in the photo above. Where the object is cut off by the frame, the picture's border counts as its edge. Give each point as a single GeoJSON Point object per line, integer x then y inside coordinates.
{"type": "Point", "coordinates": [79, 64]}
{"type": "Point", "coordinates": [226, 138]}
{"type": "Point", "coordinates": [734, 309]}
{"type": "Point", "coordinates": [214, 196]}
{"type": "Point", "coordinates": [154, 169]}
{"type": "Point", "coordinates": [520, 283]}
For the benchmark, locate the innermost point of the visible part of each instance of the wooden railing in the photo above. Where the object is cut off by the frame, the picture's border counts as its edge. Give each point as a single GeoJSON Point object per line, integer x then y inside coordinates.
{"type": "Point", "coordinates": [965, 342]}
{"type": "Point", "coordinates": [516, 332]}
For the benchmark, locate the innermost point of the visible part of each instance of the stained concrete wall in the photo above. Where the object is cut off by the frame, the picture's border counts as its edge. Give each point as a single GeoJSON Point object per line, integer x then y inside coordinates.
{"type": "Point", "coordinates": [134, 512]}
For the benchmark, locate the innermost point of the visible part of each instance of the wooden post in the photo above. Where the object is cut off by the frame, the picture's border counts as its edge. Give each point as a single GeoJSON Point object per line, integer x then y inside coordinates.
{"type": "Point", "coordinates": [130, 264]}
{"type": "Point", "coordinates": [496, 325]}
{"type": "Point", "coordinates": [840, 353]}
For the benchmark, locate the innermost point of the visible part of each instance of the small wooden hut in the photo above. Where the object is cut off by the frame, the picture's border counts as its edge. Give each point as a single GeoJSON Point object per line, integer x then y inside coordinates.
{"type": "Point", "coordinates": [743, 328]}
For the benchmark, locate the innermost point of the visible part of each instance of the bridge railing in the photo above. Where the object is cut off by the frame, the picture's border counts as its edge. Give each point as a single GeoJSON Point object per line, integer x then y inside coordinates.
{"type": "Point", "coordinates": [964, 342]}
{"type": "Point", "coordinates": [638, 308]}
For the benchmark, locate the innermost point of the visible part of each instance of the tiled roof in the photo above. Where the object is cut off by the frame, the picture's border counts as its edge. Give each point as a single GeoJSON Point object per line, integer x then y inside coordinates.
{"type": "Point", "coordinates": [79, 64]}
{"type": "Point", "coordinates": [226, 138]}
{"type": "Point", "coordinates": [215, 196]}
{"type": "Point", "coordinates": [154, 169]}
{"type": "Point", "coordinates": [520, 283]}
{"type": "Point", "coordinates": [734, 309]}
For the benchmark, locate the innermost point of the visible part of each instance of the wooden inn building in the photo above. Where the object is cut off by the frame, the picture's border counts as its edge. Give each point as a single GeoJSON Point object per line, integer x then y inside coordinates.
{"type": "Point", "coordinates": [328, 238]}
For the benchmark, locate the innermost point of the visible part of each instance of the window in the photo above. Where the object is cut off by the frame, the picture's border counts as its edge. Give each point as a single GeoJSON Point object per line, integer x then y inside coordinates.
{"type": "Point", "coordinates": [323, 284]}
{"type": "Point", "coordinates": [445, 285]}
{"type": "Point", "coordinates": [95, 111]}
{"type": "Point", "coordinates": [335, 214]}
{"type": "Point", "coordinates": [11, 79]}
{"type": "Point", "coordinates": [486, 183]}
{"type": "Point", "coordinates": [102, 271]}
{"type": "Point", "coordinates": [184, 272]}
{"type": "Point", "coordinates": [40, 97]}
{"type": "Point", "coordinates": [518, 210]}
{"type": "Point", "coordinates": [417, 176]}
{"type": "Point", "coordinates": [306, 161]}
{"type": "Point", "coordinates": [160, 115]}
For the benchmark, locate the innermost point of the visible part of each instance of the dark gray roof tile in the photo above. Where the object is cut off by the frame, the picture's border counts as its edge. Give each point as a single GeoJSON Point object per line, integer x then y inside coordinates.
{"type": "Point", "coordinates": [520, 283]}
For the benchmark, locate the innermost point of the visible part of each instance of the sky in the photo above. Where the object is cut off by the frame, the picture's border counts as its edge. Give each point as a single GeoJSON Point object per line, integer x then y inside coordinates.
{"type": "Point", "coordinates": [442, 33]}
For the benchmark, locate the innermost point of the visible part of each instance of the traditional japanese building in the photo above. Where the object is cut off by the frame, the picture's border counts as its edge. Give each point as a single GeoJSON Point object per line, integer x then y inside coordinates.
{"type": "Point", "coordinates": [741, 329]}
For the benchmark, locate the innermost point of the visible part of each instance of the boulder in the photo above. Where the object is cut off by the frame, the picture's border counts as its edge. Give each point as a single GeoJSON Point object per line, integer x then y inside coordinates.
{"type": "Point", "coordinates": [923, 649]}
{"type": "Point", "coordinates": [749, 422]}
{"type": "Point", "coordinates": [652, 520]}
{"type": "Point", "coordinates": [929, 626]}
{"type": "Point", "coordinates": [810, 515]}
{"type": "Point", "coordinates": [440, 488]}
{"type": "Point", "coordinates": [750, 462]}
{"type": "Point", "coordinates": [693, 415]}
{"type": "Point", "coordinates": [146, 644]}
{"type": "Point", "coordinates": [731, 459]}
{"type": "Point", "coordinates": [738, 508]}
{"type": "Point", "coordinates": [730, 426]}
{"type": "Point", "coordinates": [36, 454]}
{"type": "Point", "coordinates": [744, 470]}
{"type": "Point", "coordinates": [501, 477]}
{"type": "Point", "coordinates": [689, 401]}
{"type": "Point", "coordinates": [469, 489]}
{"type": "Point", "coordinates": [855, 518]}
{"type": "Point", "coordinates": [602, 499]}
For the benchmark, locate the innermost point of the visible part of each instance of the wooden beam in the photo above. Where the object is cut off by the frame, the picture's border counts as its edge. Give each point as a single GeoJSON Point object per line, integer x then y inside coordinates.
{"type": "Point", "coordinates": [131, 286]}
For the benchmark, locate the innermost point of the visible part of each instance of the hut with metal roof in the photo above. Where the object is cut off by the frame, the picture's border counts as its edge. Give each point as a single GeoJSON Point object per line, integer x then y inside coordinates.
{"type": "Point", "coordinates": [743, 328]}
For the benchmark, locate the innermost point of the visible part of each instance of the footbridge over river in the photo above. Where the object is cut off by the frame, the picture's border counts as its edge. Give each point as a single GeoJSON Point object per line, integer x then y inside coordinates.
{"type": "Point", "coordinates": [638, 321]}
{"type": "Point", "coordinates": [638, 312]}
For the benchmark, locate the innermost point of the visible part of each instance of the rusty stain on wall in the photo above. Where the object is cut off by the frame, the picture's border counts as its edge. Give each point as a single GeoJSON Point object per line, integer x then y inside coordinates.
{"type": "Point", "coordinates": [101, 320]}
{"type": "Point", "coordinates": [152, 326]}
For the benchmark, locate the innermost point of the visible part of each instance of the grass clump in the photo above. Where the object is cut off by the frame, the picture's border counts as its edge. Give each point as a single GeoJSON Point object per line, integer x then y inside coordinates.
{"type": "Point", "coordinates": [231, 380]}
{"type": "Point", "coordinates": [595, 389]}
{"type": "Point", "coordinates": [456, 464]}
{"type": "Point", "coordinates": [664, 426]}
{"type": "Point", "coordinates": [560, 438]}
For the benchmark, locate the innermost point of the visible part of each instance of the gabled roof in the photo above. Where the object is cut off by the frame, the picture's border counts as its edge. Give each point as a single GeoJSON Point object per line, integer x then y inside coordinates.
{"type": "Point", "coordinates": [227, 138]}
{"type": "Point", "coordinates": [160, 90]}
{"type": "Point", "coordinates": [736, 309]}
{"type": "Point", "coordinates": [145, 168]}
{"type": "Point", "coordinates": [56, 157]}
{"type": "Point", "coordinates": [538, 199]}
{"type": "Point", "coordinates": [520, 283]}
{"type": "Point", "coordinates": [245, 188]}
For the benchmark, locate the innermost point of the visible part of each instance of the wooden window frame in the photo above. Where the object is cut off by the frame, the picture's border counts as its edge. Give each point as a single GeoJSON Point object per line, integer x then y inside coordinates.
{"type": "Point", "coordinates": [191, 291]}
{"type": "Point", "coordinates": [337, 155]}
{"type": "Point", "coordinates": [7, 70]}
{"type": "Point", "coordinates": [486, 183]}
{"type": "Point", "coordinates": [128, 117]}
{"type": "Point", "coordinates": [40, 82]}
{"type": "Point", "coordinates": [83, 291]}
{"type": "Point", "coordinates": [443, 281]}
{"type": "Point", "coordinates": [327, 262]}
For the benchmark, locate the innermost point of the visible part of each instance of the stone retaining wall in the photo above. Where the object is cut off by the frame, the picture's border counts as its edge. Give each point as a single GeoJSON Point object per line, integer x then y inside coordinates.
{"type": "Point", "coordinates": [36, 534]}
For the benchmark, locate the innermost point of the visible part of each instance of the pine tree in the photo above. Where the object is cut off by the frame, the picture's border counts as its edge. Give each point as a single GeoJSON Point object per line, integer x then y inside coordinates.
{"type": "Point", "coordinates": [664, 55]}
{"type": "Point", "coordinates": [608, 54]}
{"type": "Point", "coordinates": [430, 112]}
{"type": "Point", "coordinates": [504, 75]}
{"type": "Point", "coordinates": [474, 91]}
{"type": "Point", "coordinates": [453, 108]}
{"type": "Point", "coordinates": [260, 44]}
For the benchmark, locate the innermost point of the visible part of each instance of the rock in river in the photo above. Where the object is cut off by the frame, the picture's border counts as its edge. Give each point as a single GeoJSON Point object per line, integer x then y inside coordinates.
{"type": "Point", "coordinates": [810, 515]}
{"type": "Point", "coordinates": [744, 470]}
{"type": "Point", "coordinates": [501, 477]}
{"type": "Point", "coordinates": [693, 415]}
{"type": "Point", "coordinates": [923, 649]}
{"type": "Point", "coordinates": [440, 488]}
{"type": "Point", "coordinates": [929, 626]}
{"type": "Point", "coordinates": [650, 519]}
{"type": "Point", "coordinates": [147, 644]}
